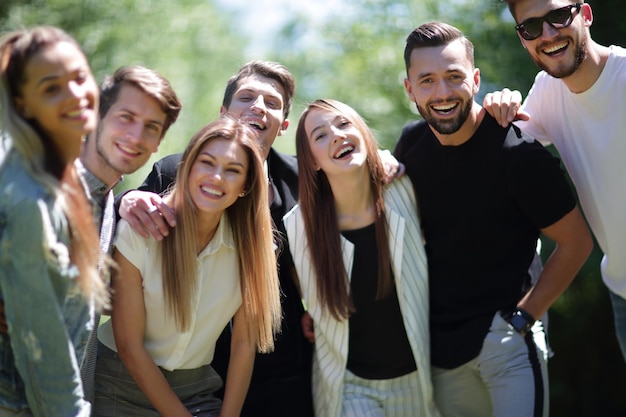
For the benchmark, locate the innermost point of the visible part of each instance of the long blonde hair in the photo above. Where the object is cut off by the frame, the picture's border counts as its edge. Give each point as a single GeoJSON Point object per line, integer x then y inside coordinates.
{"type": "Point", "coordinates": [251, 224]}
{"type": "Point", "coordinates": [42, 160]}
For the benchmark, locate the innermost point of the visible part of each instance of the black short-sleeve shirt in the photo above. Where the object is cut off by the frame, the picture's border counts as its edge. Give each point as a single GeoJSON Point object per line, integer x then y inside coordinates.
{"type": "Point", "coordinates": [482, 205]}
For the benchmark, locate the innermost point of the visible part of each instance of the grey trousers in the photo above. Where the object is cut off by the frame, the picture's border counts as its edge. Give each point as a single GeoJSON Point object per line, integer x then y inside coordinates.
{"type": "Point", "coordinates": [118, 395]}
{"type": "Point", "coordinates": [509, 378]}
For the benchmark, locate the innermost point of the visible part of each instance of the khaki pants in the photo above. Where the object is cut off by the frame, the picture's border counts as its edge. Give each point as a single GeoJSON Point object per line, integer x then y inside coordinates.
{"type": "Point", "coordinates": [508, 378]}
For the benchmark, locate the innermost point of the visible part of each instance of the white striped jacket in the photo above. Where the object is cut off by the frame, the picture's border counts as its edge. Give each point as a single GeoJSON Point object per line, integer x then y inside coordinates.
{"type": "Point", "coordinates": [411, 277]}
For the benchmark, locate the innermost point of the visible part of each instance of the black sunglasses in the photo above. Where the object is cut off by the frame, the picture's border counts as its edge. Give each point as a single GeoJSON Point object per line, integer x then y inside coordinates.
{"type": "Point", "coordinates": [559, 18]}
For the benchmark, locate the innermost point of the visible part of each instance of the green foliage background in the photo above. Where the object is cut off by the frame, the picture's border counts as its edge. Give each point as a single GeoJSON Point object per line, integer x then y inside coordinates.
{"type": "Point", "coordinates": [355, 55]}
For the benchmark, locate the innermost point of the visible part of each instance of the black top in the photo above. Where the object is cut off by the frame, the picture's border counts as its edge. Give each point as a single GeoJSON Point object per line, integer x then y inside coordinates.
{"type": "Point", "coordinates": [292, 355]}
{"type": "Point", "coordinates": [378, 345]}
{"type": "Point", "coordinates": [481, 204]}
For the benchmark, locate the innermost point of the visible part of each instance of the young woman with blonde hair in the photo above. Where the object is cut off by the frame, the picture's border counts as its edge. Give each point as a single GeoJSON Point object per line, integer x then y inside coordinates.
{"type": "Point", "coordinates": [172, 298]}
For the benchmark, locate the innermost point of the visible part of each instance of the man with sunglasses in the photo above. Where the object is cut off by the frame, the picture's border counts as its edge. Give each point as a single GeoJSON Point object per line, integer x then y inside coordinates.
{"type": "Point", "coordinates": [578, 103]}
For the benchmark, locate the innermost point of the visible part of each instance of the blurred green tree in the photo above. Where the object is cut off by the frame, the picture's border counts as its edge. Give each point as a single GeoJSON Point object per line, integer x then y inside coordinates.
{"type": "Point", "coordinates": [190, 42]}
{"type": "Point", "coordinates": [355, 55]}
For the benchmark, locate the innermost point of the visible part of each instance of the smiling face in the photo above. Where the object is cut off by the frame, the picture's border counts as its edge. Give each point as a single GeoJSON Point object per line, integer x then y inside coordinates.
{"type": "Point", "coordinates": [218, 175]}
{"type": "Point", "coordinates": [258, 101]}
{"type": "Point", "coordinates": [559, 52]}
{"type": "Point", "coordinates": [60, 96]}
{"type": "Point", "coordinates": [442, 83]}
{"type": "Point", "coordinates": [130, 132]}
{"type": "Point", "coordinates": [336, 143]}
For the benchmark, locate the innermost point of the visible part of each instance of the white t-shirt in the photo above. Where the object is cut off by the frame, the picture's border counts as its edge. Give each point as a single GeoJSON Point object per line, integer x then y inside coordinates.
{"type": "Point", "coordinates": [217, 299]}
{"type": "Point", "coordinates": [589, 131]}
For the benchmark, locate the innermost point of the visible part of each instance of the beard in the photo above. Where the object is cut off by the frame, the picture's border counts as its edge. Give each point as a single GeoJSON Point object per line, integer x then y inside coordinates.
{"type": "Point", "coordinates": [580, 53]}
{"type": "Point", "coordinates": [448, 126]}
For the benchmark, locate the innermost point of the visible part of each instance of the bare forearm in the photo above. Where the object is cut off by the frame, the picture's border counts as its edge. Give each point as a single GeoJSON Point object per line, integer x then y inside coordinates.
{"type": "Point", "coordinates": [558, 273]}
{"type": "Point", "coordinates": [242, 351]}
{"type": "Point", "coordinates": [153, 384]}
{"type": "Point", "coordinates": [238, 378]}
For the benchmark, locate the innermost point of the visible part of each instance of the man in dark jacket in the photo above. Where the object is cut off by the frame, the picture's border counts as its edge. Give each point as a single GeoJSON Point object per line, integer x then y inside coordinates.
{"type": "Point", "coordinates": [260, 94]}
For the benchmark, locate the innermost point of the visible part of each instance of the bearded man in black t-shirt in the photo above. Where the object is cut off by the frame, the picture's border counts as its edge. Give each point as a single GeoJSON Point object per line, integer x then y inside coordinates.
{"type": "Point", "coordinates": [485, 193]}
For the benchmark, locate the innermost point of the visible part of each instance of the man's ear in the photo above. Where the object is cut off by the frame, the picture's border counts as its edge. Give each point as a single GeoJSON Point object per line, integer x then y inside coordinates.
{"type": "Point", "coordinates": [587, 14]}
{"type": "Point", "coordinates": [409, 89]}
{"type": "Point", "coordinates": [476, 80]}
{"type": "Point", "coordinates": [283, 127]}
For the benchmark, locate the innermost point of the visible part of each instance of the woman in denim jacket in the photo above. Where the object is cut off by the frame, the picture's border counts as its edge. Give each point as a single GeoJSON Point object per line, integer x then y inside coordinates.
{"type": "Point", "coordinates": [49, 281]}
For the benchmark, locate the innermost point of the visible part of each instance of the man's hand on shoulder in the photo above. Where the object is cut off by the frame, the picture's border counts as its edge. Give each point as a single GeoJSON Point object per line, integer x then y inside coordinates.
{"type": "Point", "coordinates": [504, 106]}
{"type": "Point", "coordinates": [147, 214]}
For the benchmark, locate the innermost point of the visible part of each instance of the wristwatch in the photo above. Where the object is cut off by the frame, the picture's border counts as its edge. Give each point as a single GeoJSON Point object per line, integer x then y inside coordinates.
{"type": "Point", "coordinates": [520, 321]}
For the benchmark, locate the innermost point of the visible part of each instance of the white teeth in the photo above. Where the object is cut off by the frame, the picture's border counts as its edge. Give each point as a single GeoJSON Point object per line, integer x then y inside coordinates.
{"type": "Point", "coordinates": [555, 48]}
{"type": "Point", "coordinates": [344, 151]}
{"type": "Point", "coordinates": [445, 107]}
{"type": "Point", "coordinates": [76, 113]}
{"type": "Point", "coordinates": [213, 191]}
{"type": "Point", "coordinates": [128, 150]}
{"type": "Point", "coordinates": [256, 124]}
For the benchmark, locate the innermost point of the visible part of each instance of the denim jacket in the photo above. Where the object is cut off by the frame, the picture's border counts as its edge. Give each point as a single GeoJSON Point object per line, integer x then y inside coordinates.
{"type": "Point", "coordinates": [48, 319]}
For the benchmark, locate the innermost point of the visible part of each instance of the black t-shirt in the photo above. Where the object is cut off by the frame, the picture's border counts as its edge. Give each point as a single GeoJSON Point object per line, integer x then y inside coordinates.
{"type": "Point", "coordinates": [482, 205]}
{"type": "Point", "coordinates": [378, 346]}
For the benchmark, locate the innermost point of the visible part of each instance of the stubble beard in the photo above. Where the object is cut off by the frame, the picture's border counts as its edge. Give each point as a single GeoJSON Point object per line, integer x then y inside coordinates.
{"type": "Point", "coordinates": [446, 127]}
{"type": "Point", "coordinates": [580, 54]}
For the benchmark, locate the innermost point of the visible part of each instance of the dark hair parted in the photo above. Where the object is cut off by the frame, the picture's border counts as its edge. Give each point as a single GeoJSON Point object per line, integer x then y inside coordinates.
{"type": "Point", "coordinates": [272, 70]}
{"type": "Point", "coordinates": [146, 80]}
{"type": "Point", "coordinates": [435, 34]}
{"type": "Point", "coordinates": [320, 216]}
